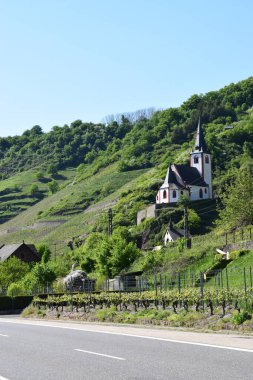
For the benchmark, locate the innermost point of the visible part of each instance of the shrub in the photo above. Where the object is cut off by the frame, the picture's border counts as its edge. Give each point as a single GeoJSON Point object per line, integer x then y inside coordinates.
{"type": "Point", "coordinates": [239, 318]}
{"type": "Point", "coordinates": [15, 290]}
{"type": "Point", "coordinates": [39, 175]}
{"type": "Point", "coordinates": [235, 254]}
{"type": "Point", "coordinates": [28, 311]}
{"type": "Point", "coordinates": [106, 314]}
{"type": "Point", "coordinates": [53, 187]}
{"type": "Point", "coordinates": [33, 190]}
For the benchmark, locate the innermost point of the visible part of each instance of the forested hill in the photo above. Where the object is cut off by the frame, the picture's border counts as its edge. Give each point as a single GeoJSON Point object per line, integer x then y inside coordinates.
{"type": "Point", "coordinates": [145, 142]}
{"type": "Point", "coordinates": [36, 164]}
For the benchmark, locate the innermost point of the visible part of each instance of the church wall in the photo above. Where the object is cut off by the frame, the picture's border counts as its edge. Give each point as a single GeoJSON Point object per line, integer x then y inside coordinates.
{"type": "Point", "coordinates": [160, 196]}
{"type": "Point", "coordinates": [194, 196]}
{"type": "Point", "coordinates": [199, 164]}
{"type": "Point", "coordinates": [172, 199]}
{"type": "Point", "coordinates": [208, 174]}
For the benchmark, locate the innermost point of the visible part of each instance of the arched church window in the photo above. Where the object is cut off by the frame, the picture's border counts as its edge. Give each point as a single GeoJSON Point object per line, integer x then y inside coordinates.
{"type": "Point", "coordinates": [205, 190]}
{"type": "Point", "coordinates": [174, 194]}
{"type": "Point", "coordinates": [200, 193]}
{"type": "Point", "coordinates": [206, 159]}
{"type": "Point", "coordinates": [196, 160]}
{"type": "Point", "coordinates": [164, 194]}
{"type": "Point", "coordinates": [182, 193]}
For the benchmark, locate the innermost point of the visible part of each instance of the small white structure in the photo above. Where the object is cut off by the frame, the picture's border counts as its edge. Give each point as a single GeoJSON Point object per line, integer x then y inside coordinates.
{"type": "Point", "coordinates": [194, 180]}
{"type": "Point", "coordinates": [172, 234]}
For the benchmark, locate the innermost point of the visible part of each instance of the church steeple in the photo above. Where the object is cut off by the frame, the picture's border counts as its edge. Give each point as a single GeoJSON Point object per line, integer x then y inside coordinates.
{"type": "Point", "coordinates": [170, 176]}
{"type": "Point", "coordinates": [200, 144]}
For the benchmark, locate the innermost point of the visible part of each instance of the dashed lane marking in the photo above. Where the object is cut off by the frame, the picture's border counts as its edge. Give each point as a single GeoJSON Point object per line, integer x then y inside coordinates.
{"type": "Point", "coordinates": [99, 354]}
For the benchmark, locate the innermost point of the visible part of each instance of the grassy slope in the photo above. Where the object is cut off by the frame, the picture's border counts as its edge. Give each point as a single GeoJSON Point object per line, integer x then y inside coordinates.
{"type": "Point", "coordinates": [15, 195]}
{"type": "Point", "coordinates": [108, 181]}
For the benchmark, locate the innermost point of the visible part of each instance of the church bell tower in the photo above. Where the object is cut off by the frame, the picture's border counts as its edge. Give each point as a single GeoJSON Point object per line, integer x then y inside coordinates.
{"type": "Point", "coordinates": [201, 159]}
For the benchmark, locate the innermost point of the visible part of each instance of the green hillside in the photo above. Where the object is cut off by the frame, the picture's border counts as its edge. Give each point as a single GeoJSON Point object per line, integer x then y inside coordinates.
{"type": "Point", "coordinates": [59, 185]}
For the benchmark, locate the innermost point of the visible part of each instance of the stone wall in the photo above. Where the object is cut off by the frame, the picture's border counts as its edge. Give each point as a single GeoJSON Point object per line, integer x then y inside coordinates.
{"type": "Point", "coordinates": [236, 246]}
{"type": "Point", "coordinates": [148, 212]}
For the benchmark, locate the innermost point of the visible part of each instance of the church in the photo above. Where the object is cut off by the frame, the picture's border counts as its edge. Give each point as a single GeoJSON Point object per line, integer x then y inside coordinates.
{"type": "Point", "coordinates": [193, 179]}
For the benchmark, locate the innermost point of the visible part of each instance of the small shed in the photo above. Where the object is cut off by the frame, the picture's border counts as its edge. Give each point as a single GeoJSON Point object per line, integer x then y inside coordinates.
{"type": "Point", "coordinates": [172, 234]}
{"type": "Point", "coordinates": [24, 252]}
{"type": "Point", "coordinates": [125, 282]}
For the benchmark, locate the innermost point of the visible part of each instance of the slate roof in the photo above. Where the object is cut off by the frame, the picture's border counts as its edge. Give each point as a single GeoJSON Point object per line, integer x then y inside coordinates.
{"type": "Point", "coordinates": [171, 179]}
{"type": "Point", "coordinates": [7, 250]}
{"type": "Point", "coordinates": [175, 233]}
{"type": "Point", "coordinates": [190, 175]}
{"type": "Point", "coordinates": [200, 144]}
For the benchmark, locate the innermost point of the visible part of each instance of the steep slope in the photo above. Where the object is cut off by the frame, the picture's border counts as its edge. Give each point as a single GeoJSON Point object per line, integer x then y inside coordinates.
{"type": "Point", "coordinates": [72, 211]}
{"type": "Point", "coordinates": [111, 161]}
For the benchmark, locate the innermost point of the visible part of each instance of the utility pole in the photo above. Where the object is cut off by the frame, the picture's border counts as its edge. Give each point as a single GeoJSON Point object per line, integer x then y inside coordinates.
{"type": "Point", "coordinates": [109, 222]}
{"type": "Point", "coordinates": [186, 229]}
{"type": "Point", "coordinates": [55, 244]}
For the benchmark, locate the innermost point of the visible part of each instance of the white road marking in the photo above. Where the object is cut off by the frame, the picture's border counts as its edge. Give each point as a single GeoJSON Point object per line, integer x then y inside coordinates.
{"type": "Point", "coordinates": [6, 337]}
{"type": "Point", "coordinates": [97, 353]}
{"type": "Point", "coordinates": [3, 378]}
{"type": "Point", "coordinates": [132, 335]}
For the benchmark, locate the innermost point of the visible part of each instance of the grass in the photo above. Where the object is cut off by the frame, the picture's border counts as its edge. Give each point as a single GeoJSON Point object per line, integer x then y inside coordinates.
{"type": "Point", "coordinates": [102, 190]}
{"type": "Point", "coordinates": [237, 274]}
{"type": "Point", "coordinates": [15, 194]}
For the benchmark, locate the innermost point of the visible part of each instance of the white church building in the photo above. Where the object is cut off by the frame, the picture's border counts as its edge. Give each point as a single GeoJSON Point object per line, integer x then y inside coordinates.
{"type": "Point", "coordinates": [193, 180]}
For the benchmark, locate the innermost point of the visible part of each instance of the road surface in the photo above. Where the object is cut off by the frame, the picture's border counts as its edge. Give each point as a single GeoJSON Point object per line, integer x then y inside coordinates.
{"type": "Point", "coordinates": [36, 350]}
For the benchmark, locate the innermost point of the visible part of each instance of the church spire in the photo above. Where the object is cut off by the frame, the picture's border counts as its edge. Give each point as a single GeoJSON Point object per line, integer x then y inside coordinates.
{"type": "Point", "coordinates": [170, 177]}
{"type": "Point", "coordinates": [200, 144]}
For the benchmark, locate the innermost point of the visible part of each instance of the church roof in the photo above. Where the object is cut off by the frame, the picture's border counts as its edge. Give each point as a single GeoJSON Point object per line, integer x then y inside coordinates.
{"type": "Point", "coordinates": [171, 178]}
{"type": "Point", "coordinates": [200, 144]}
{"type": "Point", "coordinates": [190, 175]}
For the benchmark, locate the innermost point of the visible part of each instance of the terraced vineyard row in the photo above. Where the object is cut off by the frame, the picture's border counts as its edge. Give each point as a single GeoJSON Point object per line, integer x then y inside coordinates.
{"type": "Point", "coordinates": [190, 298]}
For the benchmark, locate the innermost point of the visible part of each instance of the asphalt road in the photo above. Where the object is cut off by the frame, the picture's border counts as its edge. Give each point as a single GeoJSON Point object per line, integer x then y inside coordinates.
{"type": "Point", "coordinates": [59, 351]}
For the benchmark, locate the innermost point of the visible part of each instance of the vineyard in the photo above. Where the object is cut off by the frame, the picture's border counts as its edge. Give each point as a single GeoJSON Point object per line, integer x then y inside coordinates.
{"type": "Point", "coordinates": [188, 299]}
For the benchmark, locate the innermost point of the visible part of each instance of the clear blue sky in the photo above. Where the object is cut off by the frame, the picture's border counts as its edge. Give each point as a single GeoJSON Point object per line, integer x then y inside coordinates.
{"type": "Point", "coordinates": [63, 60]}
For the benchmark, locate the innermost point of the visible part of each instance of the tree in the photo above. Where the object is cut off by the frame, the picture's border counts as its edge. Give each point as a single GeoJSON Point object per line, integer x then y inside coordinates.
{"type": "Point", "coordinates": [12, 270]}
{"type": "Point", "coordinates": [43, 274]}
{"type": "Point", "coordinates": [40, 175]}
{"type": "Point", "coordinates": [44, 252]}
{"type": "Point", "coordinates": [88, 264]}
{"type": "Point", "coordinates": [15, 289]}
{"type": "Point", "coordinates": [36, 131]}
{"type": "Point", "coordinates": [122, 255]}
{"type": "Point", "coordinates": [33, 190]}
{"type": "Point", "coordinates": [116, 252]}
{"type": "Point", "coordinates": [184, 201]}
{"type": "Point", "coordinates": [53, 187]}
{"type": "Point", "coordinates": [237, 201]}
{"type": "Point", "coordinates": [52, 169]}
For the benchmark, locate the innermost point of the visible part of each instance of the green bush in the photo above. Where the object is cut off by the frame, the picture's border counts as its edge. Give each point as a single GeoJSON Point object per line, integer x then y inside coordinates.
{"type": "Point", "coordinates": [239, 318]}
{"type": "Point", "coordinates": [15, 290]}
{"type": "Point", "coordinates": [240, 252]}
{"type": "Point", "coordinates": [106, 314]}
